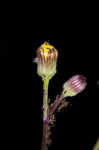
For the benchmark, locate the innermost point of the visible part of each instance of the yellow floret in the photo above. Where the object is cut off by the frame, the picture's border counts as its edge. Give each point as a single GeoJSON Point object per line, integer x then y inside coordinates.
{"type": "Point", "coordinates": [47, 46]}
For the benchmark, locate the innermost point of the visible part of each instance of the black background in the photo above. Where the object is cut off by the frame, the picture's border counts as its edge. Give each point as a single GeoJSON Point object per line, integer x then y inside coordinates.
{"type": "Point", "coordinates": [3, 47]}
{"type": "Point", "coordinates": [77, 126]}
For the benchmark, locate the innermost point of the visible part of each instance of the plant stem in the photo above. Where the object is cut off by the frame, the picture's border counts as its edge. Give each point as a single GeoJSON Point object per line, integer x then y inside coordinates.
{"type": "Point", "coordinates": [56, 104]}
{"type": "Point", "coordinates": [45, 98]}
{"type": "Point", "coordinates": [45, 114]}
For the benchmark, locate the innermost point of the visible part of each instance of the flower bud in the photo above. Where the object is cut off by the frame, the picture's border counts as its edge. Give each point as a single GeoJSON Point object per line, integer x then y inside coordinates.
{"type": "Point", "coordinates": [74, 85]}
{"type": "Point", "coordinates": [46, 60]}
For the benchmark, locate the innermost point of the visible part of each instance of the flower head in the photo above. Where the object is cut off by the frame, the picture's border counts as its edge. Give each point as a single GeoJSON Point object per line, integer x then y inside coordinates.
{"type": "Point", "coordinates": [74, 85]}
{"type": "Point", "coordinates": [46, 60]}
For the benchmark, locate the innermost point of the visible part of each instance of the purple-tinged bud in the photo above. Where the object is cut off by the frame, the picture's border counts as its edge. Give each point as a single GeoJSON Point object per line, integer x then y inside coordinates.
{"type": "Point", "coordinates": [46, 60]}
{"type": "Point", "coordinates": [74, 85]}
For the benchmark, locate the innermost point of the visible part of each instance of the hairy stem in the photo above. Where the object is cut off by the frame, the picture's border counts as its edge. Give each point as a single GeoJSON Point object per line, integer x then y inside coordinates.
{"type": "Point", "coordinates": [45, 114]}
{"type": "Point", "coordinates": [45, 98]}
{"type": "Point", "coordinates": [56, 104]}
{"type": "Point", "coordinates": [45, 136]}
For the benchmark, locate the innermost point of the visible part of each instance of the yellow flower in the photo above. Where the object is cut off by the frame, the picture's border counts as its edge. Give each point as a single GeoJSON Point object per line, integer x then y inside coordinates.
{"type": "Point", "coordinates": [46, 60]}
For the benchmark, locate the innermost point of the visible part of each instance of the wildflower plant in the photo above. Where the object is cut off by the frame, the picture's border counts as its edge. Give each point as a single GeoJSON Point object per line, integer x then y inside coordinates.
{"type": "Point", "coordinates": [46, 61]}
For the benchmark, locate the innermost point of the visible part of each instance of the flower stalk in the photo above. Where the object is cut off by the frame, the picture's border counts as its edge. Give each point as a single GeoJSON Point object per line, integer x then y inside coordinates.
{"type": "Point", "coordinates": [57, 102]}
{"type": "Point", "coordinates": [45, 114]}
{"type": "Point", "coordinates": [45, 98]}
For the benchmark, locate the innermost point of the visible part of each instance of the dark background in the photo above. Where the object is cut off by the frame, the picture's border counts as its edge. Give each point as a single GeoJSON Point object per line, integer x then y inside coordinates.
{"type": "Point", "coordinates": [77, 126]}
{"type": "Point", "coordinates": [4, 99]}
{"type": "Point", "coordinates": [3, 47]}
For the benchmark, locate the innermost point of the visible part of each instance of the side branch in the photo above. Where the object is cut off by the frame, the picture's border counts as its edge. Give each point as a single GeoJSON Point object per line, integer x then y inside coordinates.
{"type": "Point", "coordinates": [57, 102]}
